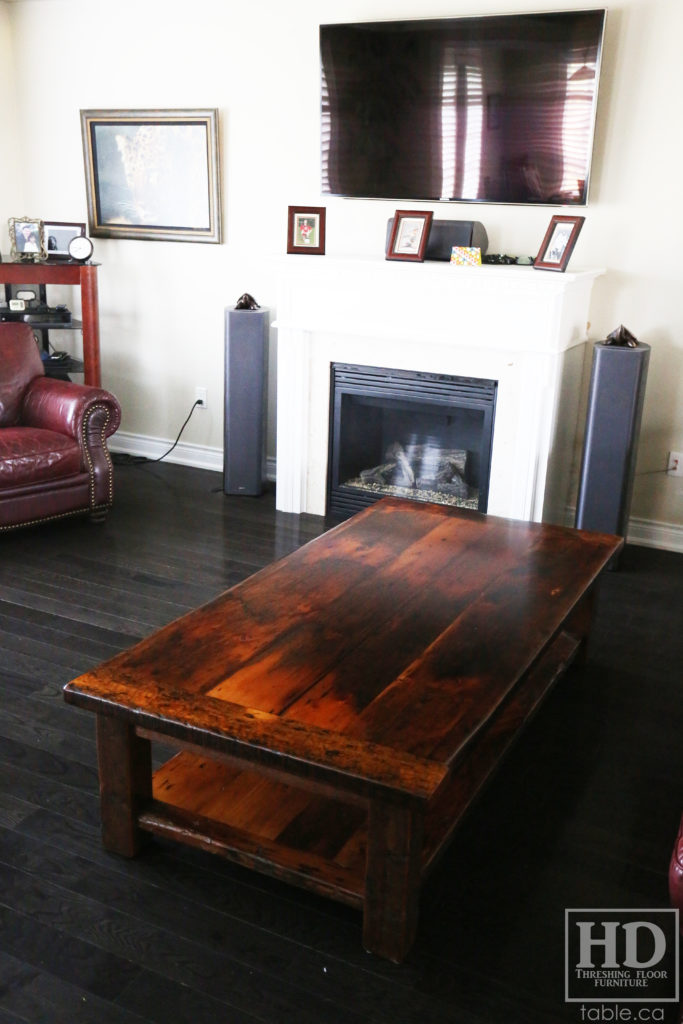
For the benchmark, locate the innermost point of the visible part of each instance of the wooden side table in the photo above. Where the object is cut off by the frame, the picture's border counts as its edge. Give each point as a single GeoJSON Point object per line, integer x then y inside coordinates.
{"type": "Point", "coordinates": [84, 275]}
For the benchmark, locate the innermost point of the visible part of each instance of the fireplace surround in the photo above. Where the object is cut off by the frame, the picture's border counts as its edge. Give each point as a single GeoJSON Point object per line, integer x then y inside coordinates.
{"type": "Point", "coordinates": [523, 328]}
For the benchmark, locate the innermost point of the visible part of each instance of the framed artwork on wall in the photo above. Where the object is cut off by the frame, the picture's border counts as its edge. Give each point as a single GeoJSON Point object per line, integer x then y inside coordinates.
{"type": "Point", "coordinates": [409, 235]}
{"type": "Point", "coordinates": [152, 174]}
{"type": "Point", "coordinates": [559, 242]}
{"type": "Point", "coordinates": [306, 230]}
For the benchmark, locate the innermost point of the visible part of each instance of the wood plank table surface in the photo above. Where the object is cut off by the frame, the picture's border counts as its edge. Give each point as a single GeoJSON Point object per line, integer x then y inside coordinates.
{"type": "Point", "coordinates": [335, 714]}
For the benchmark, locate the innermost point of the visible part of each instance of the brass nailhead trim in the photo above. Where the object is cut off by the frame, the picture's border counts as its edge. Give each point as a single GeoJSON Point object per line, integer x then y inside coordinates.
{"type": "Point", "coordinates": [93, 506]}
{"type": "Point", "coordinates": [86, 420]}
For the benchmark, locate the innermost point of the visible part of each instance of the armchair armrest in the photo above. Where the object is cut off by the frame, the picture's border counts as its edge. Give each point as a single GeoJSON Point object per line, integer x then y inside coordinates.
{"type": "Point", "coordinates": [87, 414]}
{"type": "Point", "coordinates": [83, 412]}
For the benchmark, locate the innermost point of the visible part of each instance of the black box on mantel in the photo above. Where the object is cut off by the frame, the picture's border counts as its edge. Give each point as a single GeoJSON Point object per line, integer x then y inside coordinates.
{"type": "Point", "coordinates": [246, 353]}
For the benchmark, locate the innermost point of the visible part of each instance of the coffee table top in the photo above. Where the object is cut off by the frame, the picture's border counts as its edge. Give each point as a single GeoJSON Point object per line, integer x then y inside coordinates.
{"type": "Point", "coordinates": [371, 656]}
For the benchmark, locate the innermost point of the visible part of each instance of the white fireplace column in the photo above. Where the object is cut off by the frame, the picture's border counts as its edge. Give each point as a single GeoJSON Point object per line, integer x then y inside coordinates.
{"type": "Point", "coordinates": [522, 327]}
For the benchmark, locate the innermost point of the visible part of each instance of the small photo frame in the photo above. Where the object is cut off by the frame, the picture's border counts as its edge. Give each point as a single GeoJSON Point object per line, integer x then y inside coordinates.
{"type": "Point", "coordinates": [559, 242]}
{"type": "Point", "coordinates": [409, 235]}
{"type": "Point", "coordinates": [306, 230]}
{"type": "Point", "coordinates": [26, 239]}
{"type": "Point", "coordinates": [56, 237]}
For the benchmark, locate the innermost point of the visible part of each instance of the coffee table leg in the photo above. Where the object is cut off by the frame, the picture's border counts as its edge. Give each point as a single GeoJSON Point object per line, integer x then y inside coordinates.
{"type": "Point", "coordinates": [579, 625]}
{"type": "Point", "coordinates": [125, 765]}
{"type": "Point", "coordinates": [392, 883]}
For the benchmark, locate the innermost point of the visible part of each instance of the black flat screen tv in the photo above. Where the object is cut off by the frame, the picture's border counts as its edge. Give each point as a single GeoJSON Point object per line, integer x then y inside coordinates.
{"type": "Point", "coordinates": [496, 109]}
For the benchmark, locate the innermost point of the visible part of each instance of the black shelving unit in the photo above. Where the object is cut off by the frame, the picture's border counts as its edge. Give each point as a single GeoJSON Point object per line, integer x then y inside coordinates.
{"type": "Point", "coordinates": [41, 329]}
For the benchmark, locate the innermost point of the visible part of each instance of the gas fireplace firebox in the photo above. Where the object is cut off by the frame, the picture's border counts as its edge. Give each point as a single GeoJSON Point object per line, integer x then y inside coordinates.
{"type": "Point", "coordinates": [424, 436]}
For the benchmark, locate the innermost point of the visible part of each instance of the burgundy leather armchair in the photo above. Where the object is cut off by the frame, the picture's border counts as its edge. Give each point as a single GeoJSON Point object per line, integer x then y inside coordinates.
{"type": "Point", "coordinates": [53, 438]}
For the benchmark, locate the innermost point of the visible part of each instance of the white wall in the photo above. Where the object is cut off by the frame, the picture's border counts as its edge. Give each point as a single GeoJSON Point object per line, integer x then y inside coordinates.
{"type": "Point", "coordinates": [162, 303]}
{"type": "Point", "coordinates": [9, 165]}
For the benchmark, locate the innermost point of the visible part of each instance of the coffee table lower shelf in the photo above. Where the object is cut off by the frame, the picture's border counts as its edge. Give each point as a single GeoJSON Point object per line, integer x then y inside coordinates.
{"type": "Point", "coordinates": [261, 823]}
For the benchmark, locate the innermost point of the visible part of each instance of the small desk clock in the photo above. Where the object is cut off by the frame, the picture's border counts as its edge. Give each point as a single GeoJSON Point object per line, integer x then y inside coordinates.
{"type": "Point", "coordinates": [80, 248]}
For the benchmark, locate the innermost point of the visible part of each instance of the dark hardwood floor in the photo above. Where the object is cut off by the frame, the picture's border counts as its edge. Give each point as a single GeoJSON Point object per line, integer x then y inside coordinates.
{"type": "Point", "coordinates": [583, 813]}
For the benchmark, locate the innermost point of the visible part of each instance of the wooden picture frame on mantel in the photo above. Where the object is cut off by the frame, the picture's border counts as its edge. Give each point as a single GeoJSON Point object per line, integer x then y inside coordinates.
{"type": "Point", "coordinates": [306, 230]}
{"type": "Point", "coordinates": [559, 242]}
{"type": "Point", "coordinates": [409, 235]}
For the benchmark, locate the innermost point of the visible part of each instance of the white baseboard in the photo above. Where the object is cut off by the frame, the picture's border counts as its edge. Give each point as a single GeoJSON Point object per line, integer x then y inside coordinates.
{"type": "Point", "coordinates": [651, 534]}
{"type": "Point", "coordinates": [184, 454]}
{"type": "Point", "coordinates": [647, 532]}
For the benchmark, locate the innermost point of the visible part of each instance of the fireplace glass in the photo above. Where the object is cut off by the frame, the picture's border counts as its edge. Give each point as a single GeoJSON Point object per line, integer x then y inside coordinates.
{"type": "Point", "coordinates": [422, 436]}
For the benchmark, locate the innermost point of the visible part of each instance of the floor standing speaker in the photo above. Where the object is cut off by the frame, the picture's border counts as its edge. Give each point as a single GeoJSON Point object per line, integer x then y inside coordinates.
{"type": "Point", "coordinates": [615, 406]}
{"type": "Point", "coordinates": [246, 349]}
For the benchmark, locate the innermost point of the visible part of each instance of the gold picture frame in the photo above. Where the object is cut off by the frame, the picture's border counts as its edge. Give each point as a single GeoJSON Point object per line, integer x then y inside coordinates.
{"type": "Point", "coordinates": [27, 240]}
{"type": "Point", "coordinates": [152, 174]}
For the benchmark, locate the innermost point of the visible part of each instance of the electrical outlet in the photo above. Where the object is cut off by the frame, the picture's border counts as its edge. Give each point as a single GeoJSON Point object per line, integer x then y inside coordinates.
{"type": "Point", "coordinates": [675, 464]}
{"type": "Point", "coordinates": [200, 396]}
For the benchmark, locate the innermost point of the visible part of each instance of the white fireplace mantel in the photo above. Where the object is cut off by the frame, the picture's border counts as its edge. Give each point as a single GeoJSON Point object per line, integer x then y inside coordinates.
{"type": "Point", "coordinates": [523, 327]}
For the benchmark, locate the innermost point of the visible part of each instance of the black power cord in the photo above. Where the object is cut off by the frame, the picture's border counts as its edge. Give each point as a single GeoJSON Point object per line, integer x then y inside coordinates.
{"type": "Point", "coordinates": [123, 459]}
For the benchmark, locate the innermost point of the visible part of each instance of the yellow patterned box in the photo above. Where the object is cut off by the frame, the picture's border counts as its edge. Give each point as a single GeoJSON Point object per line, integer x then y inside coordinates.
{"type": "Point", "coordinates": [466, 256]}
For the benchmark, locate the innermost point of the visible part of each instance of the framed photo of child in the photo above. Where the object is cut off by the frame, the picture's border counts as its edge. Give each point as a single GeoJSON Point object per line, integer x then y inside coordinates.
{"type": "Point", "coordinates": [306, 230]}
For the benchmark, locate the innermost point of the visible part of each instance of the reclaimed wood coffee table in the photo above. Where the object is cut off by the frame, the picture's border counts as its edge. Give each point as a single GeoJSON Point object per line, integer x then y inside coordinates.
{"type": "Point", "coordinates": [336, 713]}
